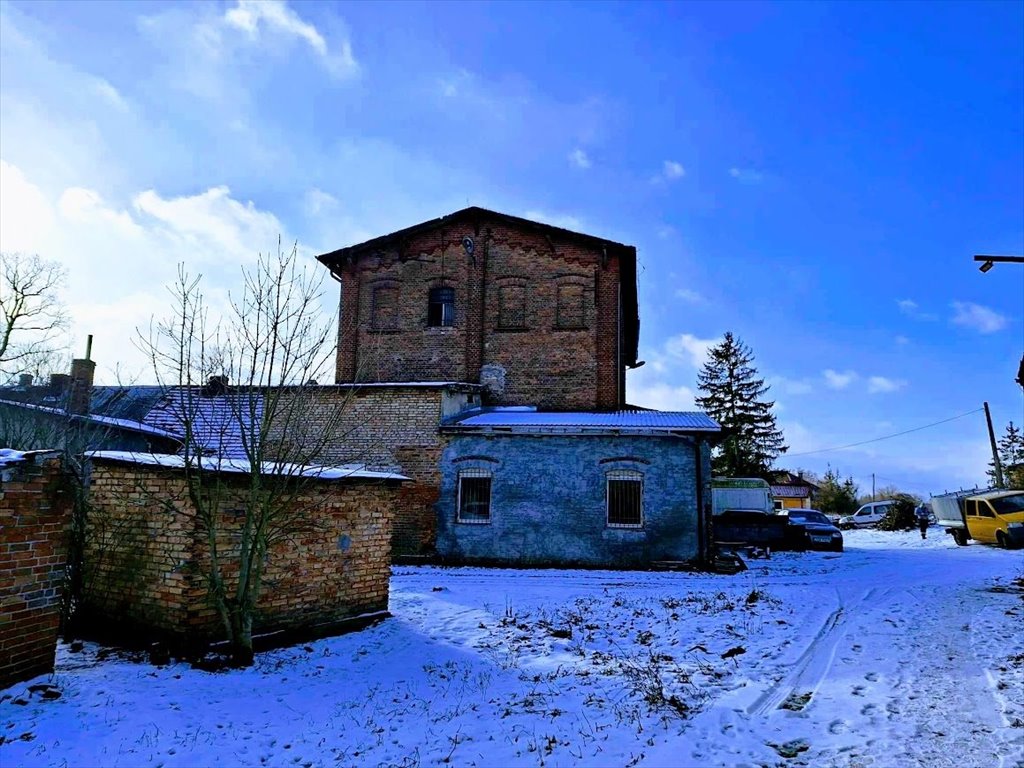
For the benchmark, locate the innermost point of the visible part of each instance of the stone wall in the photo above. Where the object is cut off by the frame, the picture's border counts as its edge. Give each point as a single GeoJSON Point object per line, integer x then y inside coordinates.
{"type": "Point", "coordinates": [146, 556]}
{"type": "Point", "coordinates": [35, 515]}
{"type": "Point", "coordinates": [548, 500]}
{"type": "Point", "coordinates": [542, 312]}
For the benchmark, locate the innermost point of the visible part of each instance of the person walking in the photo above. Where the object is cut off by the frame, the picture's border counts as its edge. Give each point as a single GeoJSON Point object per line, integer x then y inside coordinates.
{"type": "Point", "coordinates": [922, 513]}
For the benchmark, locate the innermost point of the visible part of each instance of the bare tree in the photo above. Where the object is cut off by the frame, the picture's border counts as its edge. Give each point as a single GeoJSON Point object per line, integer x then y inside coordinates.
{"type": "Point", "coordinates": [241, 390]}
{"type": "Point", "coordinates": [32, 316]}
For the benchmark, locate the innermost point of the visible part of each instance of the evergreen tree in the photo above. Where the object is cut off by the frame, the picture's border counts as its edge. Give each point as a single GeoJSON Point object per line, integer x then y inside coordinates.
{"type": "Point", "coordinates": [837, 497]}
{"type": "Point", "coordinates": [1011, 456]}
{"type": "Point", "coordinates": [733, 396]}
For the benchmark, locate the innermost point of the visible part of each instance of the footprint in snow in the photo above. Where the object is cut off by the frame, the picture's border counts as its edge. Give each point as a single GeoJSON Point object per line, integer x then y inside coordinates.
{"type": "Point", "coordinates": [857, 690]}
{"type": "Point", "coordinates": [868, 710]}
{"type": "Point", "coordinates": [871, 677]}
{"type": "Point", "coordinates": [838, 726]}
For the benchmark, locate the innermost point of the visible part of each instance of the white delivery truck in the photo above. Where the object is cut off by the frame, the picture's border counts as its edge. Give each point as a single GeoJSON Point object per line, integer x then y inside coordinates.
{"type": "Point", "coordinates": [749, 494]}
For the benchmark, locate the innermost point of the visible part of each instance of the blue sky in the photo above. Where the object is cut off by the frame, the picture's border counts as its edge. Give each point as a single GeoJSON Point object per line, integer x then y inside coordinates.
{"type": "Point", "coordinates": [813, 177]}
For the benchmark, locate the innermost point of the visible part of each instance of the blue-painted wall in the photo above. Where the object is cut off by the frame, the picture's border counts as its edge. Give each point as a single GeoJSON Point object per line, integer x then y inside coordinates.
{"type": "Point", "coordinates": [548, 503]}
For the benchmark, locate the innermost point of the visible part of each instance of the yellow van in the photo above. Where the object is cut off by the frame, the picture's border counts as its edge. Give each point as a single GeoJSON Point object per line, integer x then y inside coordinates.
{"type": "Point", "coordinates": [996, 517]}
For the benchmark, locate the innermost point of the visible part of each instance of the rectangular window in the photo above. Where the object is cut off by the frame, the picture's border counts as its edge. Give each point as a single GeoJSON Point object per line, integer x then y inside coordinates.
{"type": "Point", "coordinates": [570, 309]}
{"type": "Point", "coordinates": [474, 496]}
{"type": "Point", "coordinates": [441, 307]}
{"type": "Point", "coordinates": [512, 306]}
{"type": "Point", "coordinates": [972, 507]}
{"type": "Point", "coordinates": [625, 499]}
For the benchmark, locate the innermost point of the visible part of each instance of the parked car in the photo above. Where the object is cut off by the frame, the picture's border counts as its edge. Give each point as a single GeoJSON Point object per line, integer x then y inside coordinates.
{"type": "Point", "coordinates": [819, 530]}
{"type": "Point", "coordinates": [868, 515]}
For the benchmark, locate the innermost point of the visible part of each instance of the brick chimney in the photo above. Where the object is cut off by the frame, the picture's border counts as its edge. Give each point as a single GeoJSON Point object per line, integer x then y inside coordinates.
{"type": "Point", "coordinates": [82, 371]}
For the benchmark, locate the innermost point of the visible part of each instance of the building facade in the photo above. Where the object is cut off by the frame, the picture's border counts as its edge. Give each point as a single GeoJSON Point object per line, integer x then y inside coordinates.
{"type": "Point", "coordinates": [625, 489]}
{"type": "Point", "coordinates": [533, 313]}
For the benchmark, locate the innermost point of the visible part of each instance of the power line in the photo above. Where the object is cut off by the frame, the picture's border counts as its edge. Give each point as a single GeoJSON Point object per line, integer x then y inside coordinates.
{"type": "Point", "coordinates": [886, 437]}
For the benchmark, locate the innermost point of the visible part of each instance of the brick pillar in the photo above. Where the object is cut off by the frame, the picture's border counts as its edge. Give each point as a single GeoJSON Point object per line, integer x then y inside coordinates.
{"type": "Point", "coordinates": [348, 328]}
{"type": "Point", "coordinates": [607, 341]}
{"type": "Point", "coordinates": [35, 512]}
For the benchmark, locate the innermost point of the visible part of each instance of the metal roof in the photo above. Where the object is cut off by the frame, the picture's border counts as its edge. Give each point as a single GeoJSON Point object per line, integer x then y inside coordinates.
{"type": "Point", "coordinates": [640, 422]}
{"type": "Point", "coordinates": [241, 466]}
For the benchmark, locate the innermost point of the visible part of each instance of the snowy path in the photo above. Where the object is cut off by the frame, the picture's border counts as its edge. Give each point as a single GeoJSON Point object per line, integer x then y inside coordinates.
{"type": "Point", "coordinates": [898, 674]}
{"type": "Point", "coordinates": [898, 652]}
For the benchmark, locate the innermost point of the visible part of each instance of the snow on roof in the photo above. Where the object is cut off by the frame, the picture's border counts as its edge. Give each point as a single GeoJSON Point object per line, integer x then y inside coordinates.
{"type": "Point", "coordinates": [241, 466]}
{"type": "Point", "coordinates": [520, 419]}
{"type": "Point", "coordinates": [10, 457]}
{"type": "Point", "coordinates": [110, 421]}
{"type": "Point", "coordinates": [220, 424]}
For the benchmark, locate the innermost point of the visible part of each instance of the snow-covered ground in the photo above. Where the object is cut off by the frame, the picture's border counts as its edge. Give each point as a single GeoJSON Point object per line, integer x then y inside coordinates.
{"type": "Point", "coordinates": [897, 652]}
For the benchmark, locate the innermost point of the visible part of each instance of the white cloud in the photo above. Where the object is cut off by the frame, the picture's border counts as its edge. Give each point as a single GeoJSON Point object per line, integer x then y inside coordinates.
{"type": "Point", "coordinates": [689, 295]}
{"type": "Point", "coordinates": [910, 308]}
{"type": "Point", "coordinates": [119, 258]}
{"type": "Point", "coordinates": [661, 396]}
{"type": "Point", "coordinates": [689, 348]}
{"type": "Point", "coordinates": [276, 16]}
{"type": "Point", "coordinates": [837, 380]}
{"type": "Point", "coordinates": [902, 340]}
{"type": "Point", "coordinates": [318, 202]}
{"type": "Point", "coordinates": [977, 317]}
{"type": "Point", "coordinates": [579, 158]}
{"type": "Point", "coordinates": [672, 170]}
{"type": "Point", "coordinates": [746, 175]}
{"type": "Point", "coordinates": [556, 220]}
{"type": "Point", "coordinates": [880, 384]}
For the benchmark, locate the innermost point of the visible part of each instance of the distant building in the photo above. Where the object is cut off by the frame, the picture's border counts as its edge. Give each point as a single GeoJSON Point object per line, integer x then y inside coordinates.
{"type": "Point", "coordinates": [791, 491]}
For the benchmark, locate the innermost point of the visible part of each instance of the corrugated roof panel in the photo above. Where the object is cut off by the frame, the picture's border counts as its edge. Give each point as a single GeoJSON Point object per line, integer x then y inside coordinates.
{"type": "Point", "coordinates": [622, 420]}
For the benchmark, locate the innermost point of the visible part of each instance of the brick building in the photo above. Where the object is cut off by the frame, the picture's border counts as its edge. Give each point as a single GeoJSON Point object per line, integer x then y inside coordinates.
{"type": "Point", "coordinates": [146, 551]}
{"type": "Point", "coordinates": [534, 313]}
{"type": "Point", "coordinates": [525, 318]}
{"type": "Point", "coordinates": [35, 516]}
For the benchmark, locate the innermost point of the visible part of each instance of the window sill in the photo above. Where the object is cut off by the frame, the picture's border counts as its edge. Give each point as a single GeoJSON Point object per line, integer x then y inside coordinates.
{"type": "Point", "coordinates": [441, 329]}
{"type": "Point", "coordinates": [473, 522]}
{"type": "Point", "coordinates": [624, 527]}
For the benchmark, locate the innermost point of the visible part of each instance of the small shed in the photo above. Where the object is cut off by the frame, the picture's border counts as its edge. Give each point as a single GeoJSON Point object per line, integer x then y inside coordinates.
{"type": "Point", "coordinates": [146, 550]}
{"type": "Point", "coordinates": [622, 489]}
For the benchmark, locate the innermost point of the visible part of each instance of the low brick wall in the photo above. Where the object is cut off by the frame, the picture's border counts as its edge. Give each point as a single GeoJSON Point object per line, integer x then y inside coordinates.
{"type": "Point", "coordinates": [35, 513]}
{"type": "Point", "coordinates": [146, 556]}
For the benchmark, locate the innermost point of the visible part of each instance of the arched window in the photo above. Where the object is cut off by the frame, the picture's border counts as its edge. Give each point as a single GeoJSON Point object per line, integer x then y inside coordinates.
{"type": "Point", "coordinates": [474, 502]}
{"type": "Point", "coordinates": [571, 306]}
{"type": "Point", "coordinates": [441, 307]}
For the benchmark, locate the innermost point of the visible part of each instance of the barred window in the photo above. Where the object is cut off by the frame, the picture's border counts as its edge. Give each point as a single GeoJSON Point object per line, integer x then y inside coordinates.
{"type": "Point", "coordinates": [512, 306]}
{"type": "Point", "coordinates": [625, 499]}
{"type": "Point", "coordinates": [474, 496]}
{"type": "Point", "coordinates": [571, 312]}
{"type": "Point", "coordinates": [385, 308]}
{"type": "Point", "coordinates": [441, 307]}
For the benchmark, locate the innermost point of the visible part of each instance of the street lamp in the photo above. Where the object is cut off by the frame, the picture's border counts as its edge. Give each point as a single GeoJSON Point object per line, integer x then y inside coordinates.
{"type": "Point", "coordinates": [990, 261]}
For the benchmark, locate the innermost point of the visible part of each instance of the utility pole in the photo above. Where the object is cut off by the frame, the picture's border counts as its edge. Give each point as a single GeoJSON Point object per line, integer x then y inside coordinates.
{"type": "Point", "coordinates": [995, 453]}
{"type": "Point", "coordinates": [872, 486]}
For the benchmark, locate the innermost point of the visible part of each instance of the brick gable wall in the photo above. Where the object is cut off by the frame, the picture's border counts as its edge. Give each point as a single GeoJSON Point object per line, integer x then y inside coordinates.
{"type": "Point", "coordinates": [552, 360]}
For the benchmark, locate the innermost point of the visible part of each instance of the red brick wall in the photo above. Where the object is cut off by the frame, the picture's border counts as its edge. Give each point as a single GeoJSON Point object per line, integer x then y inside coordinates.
{"type": "Point", "coordinates": [35, 513]}
{"type": "Point", "coordinates": [146, 556]}
{"type": "Point", "coordinates": [547, 365]}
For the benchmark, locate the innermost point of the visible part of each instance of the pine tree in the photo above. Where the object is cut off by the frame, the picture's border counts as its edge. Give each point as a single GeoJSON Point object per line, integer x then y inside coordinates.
{"type": "Point", "coordinates": [1011, 456]}
{"type": "Point", "coordinates": [733, 396]}
{"type": "Point", "coordinates": [837, 497]}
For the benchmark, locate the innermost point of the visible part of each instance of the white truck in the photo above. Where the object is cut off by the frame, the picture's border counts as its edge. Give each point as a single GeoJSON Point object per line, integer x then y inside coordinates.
{"type": "Point", "coordinates": [749, 494]}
